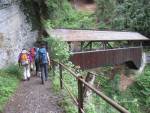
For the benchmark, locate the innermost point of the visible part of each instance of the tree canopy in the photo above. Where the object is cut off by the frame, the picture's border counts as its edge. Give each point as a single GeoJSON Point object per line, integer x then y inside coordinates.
{"type": "Point", "coordinates": [132, 15]}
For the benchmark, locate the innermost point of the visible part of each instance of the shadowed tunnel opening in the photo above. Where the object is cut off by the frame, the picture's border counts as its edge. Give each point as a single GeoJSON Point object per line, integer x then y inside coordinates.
{"type": "Point", "coordinates": [131, 65]}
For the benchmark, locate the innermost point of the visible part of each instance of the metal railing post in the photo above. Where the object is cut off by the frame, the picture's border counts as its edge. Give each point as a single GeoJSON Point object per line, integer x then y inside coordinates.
{"type": "Point", "coordinates": [60, 72]}
{"type": "Point", "coordinates": [80, 95]}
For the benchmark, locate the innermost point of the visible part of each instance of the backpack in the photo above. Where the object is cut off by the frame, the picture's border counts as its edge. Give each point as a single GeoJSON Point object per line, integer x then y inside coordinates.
{"type": "Point", "coordinates": [43, 56]}
{"type": "Point", "coordinates": [24, 59]}
{"type": "Point", "coordinates": [32, 52]}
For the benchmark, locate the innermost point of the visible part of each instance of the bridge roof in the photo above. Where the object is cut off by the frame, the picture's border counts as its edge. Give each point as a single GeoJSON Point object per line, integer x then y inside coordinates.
{"type": "Point", "coordinates": [70, 35]}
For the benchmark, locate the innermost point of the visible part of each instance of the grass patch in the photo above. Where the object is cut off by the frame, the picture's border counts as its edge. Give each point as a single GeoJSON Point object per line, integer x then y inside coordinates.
{"type": "Point", "coordinates": [141, 90]}
{"type": "Point", "coordinates": [8, 83]}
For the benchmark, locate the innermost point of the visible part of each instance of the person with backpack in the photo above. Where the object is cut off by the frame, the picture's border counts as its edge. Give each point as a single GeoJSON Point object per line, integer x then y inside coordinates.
{"type": "Point", "coordinates": [36, 60]}
{"type": "Point", "coordinates": [33, 52]}
{"type": "Point", "coordinates": [24, 61]}
{"type": "Point", "coordinates": [44, 60]}
{"type": "Point", "coordinates": [32, 55]}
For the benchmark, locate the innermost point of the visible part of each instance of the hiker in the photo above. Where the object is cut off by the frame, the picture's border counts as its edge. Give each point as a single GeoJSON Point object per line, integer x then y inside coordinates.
{"type": "Point", "coordinates": [24, 60]}
{"type": "Point", "coordinates": [36, 61]}
{"type": "Point", "coordinates": [44, 61]}
{"type": "Point", "coordinates": [32, 51]}
{"type": "Point", "coordinates": [32, 55]}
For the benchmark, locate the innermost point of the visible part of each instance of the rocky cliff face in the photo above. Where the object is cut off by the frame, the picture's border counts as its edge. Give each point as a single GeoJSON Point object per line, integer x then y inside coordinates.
{"type": "Point", "coordinates": [15, 34]}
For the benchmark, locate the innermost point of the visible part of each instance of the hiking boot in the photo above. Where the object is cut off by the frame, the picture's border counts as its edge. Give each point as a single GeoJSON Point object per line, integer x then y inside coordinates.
{"type": "Point", "coordinates": [46, 79]}
{"type": "Point", "coordinates": [23, 80]}
{"type": "Point", "coordinates": [28, 78]}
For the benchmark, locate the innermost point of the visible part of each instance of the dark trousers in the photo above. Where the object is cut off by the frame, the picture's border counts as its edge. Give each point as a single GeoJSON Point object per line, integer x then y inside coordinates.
{"type": "Point", "coordinates": [44, 70]}
{"type": "Point", "coordinates": [37, 66]}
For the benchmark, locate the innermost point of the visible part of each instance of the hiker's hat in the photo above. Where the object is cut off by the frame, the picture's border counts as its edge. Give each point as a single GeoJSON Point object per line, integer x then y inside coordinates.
{"type": "Point", "coordinates": [24, 51]}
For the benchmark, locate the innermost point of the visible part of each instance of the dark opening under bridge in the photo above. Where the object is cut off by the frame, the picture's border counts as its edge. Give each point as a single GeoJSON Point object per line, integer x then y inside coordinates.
{"type": "Point", "coordinates": [85, 56]}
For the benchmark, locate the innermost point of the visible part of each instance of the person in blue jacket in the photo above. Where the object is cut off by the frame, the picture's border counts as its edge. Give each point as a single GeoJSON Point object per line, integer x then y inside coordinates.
{"type": "Point", "coordinates": [44, 61]}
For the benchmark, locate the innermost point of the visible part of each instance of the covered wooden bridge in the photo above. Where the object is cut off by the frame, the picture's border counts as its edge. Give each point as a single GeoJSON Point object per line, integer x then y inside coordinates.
{"type": "Point", "coordinates": [127, 47]}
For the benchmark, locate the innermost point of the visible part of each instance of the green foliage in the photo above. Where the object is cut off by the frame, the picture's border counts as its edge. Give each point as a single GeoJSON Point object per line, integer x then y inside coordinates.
{"type": "Point", "coordinates": [8, 84]}
{"type": "Point", "coordinates": [59, 50]}
{"type": "Point", "coordinates": [62, 15]}
{"type": "Point", "coordinates": [14, 70]}
{"type": "Point", "coordinates": [119, 44]}
{"type": "Point", "coordinates": [130, 15]}
{"type": "Point", "coordinates": [55, 8]}
{"type": "Point", "coordinates": [94, 105]}
{"type": "Point", "coordinates": [127, 100]}
{"type": "Point", "coordinates": [141, 89]}
{"type": "Point", "coordinates": [69, 106]}
{"type": "Point", "coordinates": [90, 107]}
{"type": "Point", "coordinates": [71, 83]}
{"type": "Point", "coordinates": [135, 99]}
{"type": "Point", "coordinates": [30, 9]}
{"type": "Point", "coordinates": [102, 106]}
{"type": "Point", "coordinates": [105, 12]}
{"type": "Point", "coordinates": [111, 89]}
{"type": "Point", "coordinates": [133, 15]}
{"type": "Point", "coordinates": [56, 82]}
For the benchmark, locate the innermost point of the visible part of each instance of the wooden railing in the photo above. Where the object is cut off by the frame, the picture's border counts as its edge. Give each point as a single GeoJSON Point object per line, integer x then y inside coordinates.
{"type": "Point", "coordinates": [81, 82]}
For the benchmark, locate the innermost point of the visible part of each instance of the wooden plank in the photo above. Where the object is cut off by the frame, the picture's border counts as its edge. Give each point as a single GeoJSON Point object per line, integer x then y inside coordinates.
{"type": "Point", "coordinates": [94, 59]}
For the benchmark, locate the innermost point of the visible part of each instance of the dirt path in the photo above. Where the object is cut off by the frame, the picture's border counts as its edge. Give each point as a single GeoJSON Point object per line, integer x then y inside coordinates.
{"type": "Point", "coordinates": [33, 97]}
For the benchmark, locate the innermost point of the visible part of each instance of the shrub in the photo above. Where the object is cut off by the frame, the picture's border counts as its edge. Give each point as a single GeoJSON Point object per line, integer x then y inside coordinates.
{"type": "Point", "coordinates": [14, 70]}
{"type": "Point", "coordinates": [59, 50]}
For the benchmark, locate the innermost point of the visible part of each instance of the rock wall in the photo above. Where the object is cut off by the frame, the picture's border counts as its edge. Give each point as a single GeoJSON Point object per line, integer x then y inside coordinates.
{"type": "Point", "coordinates": [15, 34]}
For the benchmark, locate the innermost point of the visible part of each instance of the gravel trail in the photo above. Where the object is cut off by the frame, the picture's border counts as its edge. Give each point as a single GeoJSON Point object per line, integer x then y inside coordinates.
{"type": "Point", "coordinates": [33, 97]}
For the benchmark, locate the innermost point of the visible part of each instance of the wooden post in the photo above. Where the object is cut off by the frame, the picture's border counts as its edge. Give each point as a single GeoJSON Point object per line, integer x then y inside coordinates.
{"type": "Point", "coordinates": [60, 72]}
{"type": "Point", "coordinates": [80, 95]}
{"type": "Point", "coordinates": [141, 44]}
{"type": "Point", "coordinates": [82, 48]}
{"type": "Point", "coordinates": [69, 43]}
{"type": "Point", "coordinates": [91, 45]}
{"type": "Point", "coordinates": [104, 44]}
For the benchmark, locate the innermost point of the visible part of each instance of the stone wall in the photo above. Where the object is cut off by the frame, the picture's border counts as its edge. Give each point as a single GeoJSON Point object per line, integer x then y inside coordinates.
{"type": "Point", "coordinates": [15, 34]}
